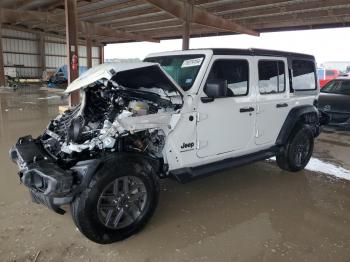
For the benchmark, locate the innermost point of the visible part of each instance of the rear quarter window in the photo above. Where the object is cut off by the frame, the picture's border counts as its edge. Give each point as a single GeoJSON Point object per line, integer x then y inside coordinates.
{"type": "Point", "coordinates": [304, 75]}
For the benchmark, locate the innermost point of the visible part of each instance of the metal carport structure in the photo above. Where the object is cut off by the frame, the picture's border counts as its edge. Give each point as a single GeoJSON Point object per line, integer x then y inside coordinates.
{"type": "Point", "coordinates": [100, 22]}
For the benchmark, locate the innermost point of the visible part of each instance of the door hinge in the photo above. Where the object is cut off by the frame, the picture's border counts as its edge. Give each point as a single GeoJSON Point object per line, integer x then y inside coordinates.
{"type": "Point", "coordinates": [258, 109]}
{"type": "Point", "coordinates": [257, 133]}
{"type": "Point", "coordinates": [202, 144]}
{"type": "Point", "coordinates": [201, 117]}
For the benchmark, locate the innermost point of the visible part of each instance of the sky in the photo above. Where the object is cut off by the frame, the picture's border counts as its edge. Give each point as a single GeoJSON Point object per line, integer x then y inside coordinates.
{"type": "Point", "coordinates": [324, 44]}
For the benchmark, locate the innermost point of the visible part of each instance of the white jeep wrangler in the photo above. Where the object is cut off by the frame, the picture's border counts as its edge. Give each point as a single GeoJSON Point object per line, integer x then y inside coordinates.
{"type": "Point", "coordinates": [178, 114]}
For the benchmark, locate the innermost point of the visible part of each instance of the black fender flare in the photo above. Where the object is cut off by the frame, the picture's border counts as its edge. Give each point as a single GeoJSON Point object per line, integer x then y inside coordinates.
{"type": "Point", "coordinates": [89, 168]}
{"type": "Point", "coordinates": [293, 118]}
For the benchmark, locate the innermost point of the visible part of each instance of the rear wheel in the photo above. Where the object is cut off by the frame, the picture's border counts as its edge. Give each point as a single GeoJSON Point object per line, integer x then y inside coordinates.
{"type": "Point", "coordinates": [298, 151]}
{"type": "Point", "coordinates": [118, 202]}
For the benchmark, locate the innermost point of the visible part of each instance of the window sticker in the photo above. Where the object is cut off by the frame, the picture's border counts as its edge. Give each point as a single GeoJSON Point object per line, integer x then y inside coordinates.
{"type": "Point", "coordinates": [192, 62]}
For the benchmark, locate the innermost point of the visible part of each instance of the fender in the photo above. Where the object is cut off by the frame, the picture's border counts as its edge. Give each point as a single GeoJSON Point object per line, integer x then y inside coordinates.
{"type": "Point", "coordinates": [294, 116]}
{"type": "Point", "coordinates": [87, 169]}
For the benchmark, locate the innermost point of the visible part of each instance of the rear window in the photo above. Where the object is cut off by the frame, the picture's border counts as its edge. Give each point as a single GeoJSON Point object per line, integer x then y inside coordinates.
{"type": "Point", "coordinates": [304, 76]}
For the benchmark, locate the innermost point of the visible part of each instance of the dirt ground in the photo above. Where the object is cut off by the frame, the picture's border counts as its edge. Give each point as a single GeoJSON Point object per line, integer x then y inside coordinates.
{"type": "Point", "coordinates": [252, 213]}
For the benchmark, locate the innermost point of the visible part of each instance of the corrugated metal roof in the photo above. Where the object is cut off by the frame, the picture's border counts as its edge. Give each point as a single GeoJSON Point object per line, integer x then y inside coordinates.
{"type": "Point", "coordinates": [141, 17]}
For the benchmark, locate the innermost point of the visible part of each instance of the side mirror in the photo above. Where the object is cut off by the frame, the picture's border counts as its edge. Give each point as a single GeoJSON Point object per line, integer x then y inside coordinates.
{"type": "Point", "coordinates": [214, 88]}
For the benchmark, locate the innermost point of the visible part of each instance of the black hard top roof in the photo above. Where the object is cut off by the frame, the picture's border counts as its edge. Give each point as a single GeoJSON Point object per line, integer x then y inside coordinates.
{"type": "Point", "coordinates": [258, 52]}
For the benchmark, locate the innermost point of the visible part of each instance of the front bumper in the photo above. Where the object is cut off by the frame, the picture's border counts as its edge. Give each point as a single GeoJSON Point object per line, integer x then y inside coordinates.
{"type": "Point", "coordinates": [48, 184]}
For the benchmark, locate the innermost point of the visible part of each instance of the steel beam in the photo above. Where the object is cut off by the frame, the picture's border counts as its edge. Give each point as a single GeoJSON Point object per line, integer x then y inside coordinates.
{"type": "Point", "coordinates": [187, 25]}
{"type": "Point", "coordinates": [72, 46]}
{"type": "Point", "coordinates": [89, 52]}
{"type": "Point", "coordinates": [186, 36]}
{"type": "Point", "coordinates": [102, 54]}
{"type": "Point", "coordinates": [110, 18]}
{"type": "Point", "coordinates": [19, 4]}
{"type": "Point", "coordinates": [299, 7]}
{"type": "Point", "coordinates": [2, 69]}
{"type": "Point", "coordinates": [41, 49]}
{"type": "Point", "coordinates": [110, 8]}
{"type": "Point", "coordinates": [200, 16]}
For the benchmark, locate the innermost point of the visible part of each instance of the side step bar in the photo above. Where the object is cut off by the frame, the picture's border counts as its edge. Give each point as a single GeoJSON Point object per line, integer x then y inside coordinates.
{"type": "Point", "coordinates": [187, 174]}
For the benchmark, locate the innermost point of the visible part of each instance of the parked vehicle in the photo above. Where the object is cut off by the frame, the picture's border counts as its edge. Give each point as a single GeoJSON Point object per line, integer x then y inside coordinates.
{"type": "Point", "coordinates": [60, 76]}
{"type": "Point", "coordinates": [334, 99]}
{"type": "Point", "coordinates": [178, 114]}
{"type": "Point", "coordinates": [326, 75]}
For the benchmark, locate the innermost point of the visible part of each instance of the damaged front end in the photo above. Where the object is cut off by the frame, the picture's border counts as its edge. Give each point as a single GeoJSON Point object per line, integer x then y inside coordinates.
{"type": "Point", "coordinates": [49, 183]}
{"type": "Point", "coordinates": [124, 109]}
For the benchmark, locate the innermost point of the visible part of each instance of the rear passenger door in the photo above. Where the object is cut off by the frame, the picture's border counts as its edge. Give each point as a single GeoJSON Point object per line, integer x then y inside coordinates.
{"type": "Point", "coordinates": [272, 98]}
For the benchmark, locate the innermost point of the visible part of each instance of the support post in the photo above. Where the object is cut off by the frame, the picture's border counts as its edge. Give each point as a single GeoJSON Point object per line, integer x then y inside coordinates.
{"type": "Point", "coordinates": [186, 36]}
{"type": "Point", "coordinates": [187, 25]}
{"type": "Point", "coordinates": [72, 46]}
{"type": "Point", "coordinates": [102, 54]}
{"type": "Point", "coordinates": [89, 52]}
{"type": "Point", "coordinates": [41, 47]}
{"type": "Point", "coordinates": [2, 69]}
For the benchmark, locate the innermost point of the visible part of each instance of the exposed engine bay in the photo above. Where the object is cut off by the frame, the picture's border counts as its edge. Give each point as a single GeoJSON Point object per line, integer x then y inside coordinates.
{"type": "Point", "coordinates": [125, 109]}
{"type": "Point", "coordinates": [111, 118]}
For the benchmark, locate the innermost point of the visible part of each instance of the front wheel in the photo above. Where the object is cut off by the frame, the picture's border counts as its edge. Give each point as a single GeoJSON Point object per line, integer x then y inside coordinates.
{"type": "Point", "coordinates": [297, 153]}
{"type": "Point", "coordinates": [118, 202]}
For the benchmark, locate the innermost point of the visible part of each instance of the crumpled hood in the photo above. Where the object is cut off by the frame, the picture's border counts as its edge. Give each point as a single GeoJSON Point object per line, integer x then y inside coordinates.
{"type": "Point", "coordinates": [152, 71]}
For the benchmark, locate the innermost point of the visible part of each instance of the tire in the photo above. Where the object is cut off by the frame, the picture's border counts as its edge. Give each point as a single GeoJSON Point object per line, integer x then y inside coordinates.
{"type": "Point", "coordinates": [103, 215]}
{"type": "Point", "coordinates": [298, 151]}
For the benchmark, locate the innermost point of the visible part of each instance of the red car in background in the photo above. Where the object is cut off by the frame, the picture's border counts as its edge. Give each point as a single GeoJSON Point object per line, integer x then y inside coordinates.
{"type": "Point", "coordinates": [326, 75]}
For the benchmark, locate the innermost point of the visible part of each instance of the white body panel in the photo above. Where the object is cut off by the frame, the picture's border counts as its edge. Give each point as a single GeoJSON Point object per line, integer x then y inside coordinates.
{"type": "Point", "coordinates": [201, 133]}
{"type": "Point", "coordinates": [219, 131]}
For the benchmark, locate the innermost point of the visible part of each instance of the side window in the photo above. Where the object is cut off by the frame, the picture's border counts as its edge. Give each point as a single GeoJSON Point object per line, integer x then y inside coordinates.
{"type": "Point", "coordinates": [235, 72]}
{"type": "Point", "coordinates": [345, 88]}
{"type": "Point", "coordinates": [272, 77]}
{"type": "Point", "coordinates": [304, 77]}
{"type": "Point", "coordinates": [331, 87]}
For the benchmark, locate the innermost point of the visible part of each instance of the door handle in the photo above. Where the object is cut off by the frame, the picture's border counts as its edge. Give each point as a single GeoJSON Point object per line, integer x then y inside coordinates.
{"type": "Point", "coordinates": [246, 109]}
{"type": "Point", "coordinates": [281, 105]}
{"type": "Point", "coordinates": [207, 99]}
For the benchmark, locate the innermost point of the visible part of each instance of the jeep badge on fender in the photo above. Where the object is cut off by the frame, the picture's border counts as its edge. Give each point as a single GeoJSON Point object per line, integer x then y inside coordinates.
{"type": "Point", "coordinates": [187, 145]}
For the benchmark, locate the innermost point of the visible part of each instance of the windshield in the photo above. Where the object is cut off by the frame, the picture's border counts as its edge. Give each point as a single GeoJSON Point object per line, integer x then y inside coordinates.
{"type": "Point", "coordinates": [337, 87]}
{"type": "Point", "coordinates": [182, 68]}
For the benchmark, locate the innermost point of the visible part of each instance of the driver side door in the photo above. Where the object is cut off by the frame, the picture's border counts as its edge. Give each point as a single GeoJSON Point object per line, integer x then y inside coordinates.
{"type": "Point", "coordinates": [227, 124]}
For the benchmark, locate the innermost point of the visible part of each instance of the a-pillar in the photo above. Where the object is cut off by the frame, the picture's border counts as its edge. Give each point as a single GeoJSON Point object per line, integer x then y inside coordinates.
{"type": "Point", "coordinates": [72, 47]}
